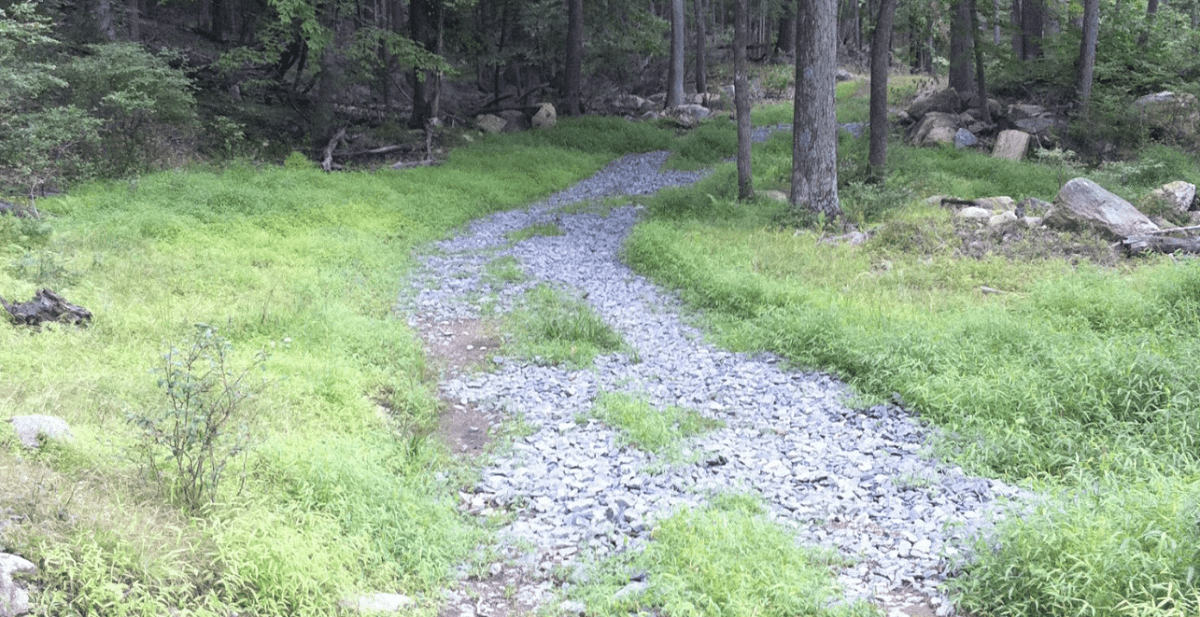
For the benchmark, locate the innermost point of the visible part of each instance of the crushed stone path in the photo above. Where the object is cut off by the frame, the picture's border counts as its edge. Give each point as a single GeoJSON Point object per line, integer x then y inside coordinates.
{"type": "Point", "coordinates": [855, 480]}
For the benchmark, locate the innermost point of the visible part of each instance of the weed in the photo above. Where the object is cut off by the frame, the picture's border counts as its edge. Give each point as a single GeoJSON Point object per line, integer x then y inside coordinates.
{"type": "Point", "coordinates": [186, 445]}
{"type": "Point", "coordinates": [554, 329]}
{"type": "Point", "coordinates": [503, 271]}
{"type": "Point", "coordinates": [650, 429]}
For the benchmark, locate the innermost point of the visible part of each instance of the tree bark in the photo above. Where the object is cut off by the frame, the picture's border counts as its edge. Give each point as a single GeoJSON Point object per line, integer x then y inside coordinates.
{"type": "Point", "coordinates": [675, 71]}
{"type": "Point", "coordinates": [741, 97]}
{"type": "Point", "coordinates": [980, 82]}
{"type": "Point", "coordinates": [1151, 12]}
{"type": "Point", "coordinates": [961, 78]}
{"type": "Point", "coordinates": [574, 68]}
{"type": "Point", "coordinates": [785, 42]}
{"type": "Point", "coordinates": [881, 47]}
{"type": "Point", "coordinates": [135, 20]}
{"type": "Point", "coordinates": [701, 44]}
{"type": "Point", "coordinates": [1033, 17]}
{"type": "Point", "coordinates": [1087, 53]}
{"type": "Point", "coordinates": [814, 123]}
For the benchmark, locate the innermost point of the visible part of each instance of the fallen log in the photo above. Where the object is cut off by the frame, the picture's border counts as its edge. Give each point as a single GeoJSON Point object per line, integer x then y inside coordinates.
{"type": "Point", "coordinates": [46, 306]}
{"type": "Point", "coordinates": [1160, 244]}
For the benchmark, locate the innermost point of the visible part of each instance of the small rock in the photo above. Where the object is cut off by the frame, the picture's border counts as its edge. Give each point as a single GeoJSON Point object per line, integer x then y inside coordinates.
{"type": "Point", "coordinates": [964, 138]}
{"type": "Point", "coordinates": [28, 429]}
{"type": "Point", "coordinates": [545, 117]}
{"type": "Point", "coordinates": [1179, 195]}
{"type": "Point", "coordinates": [1002, 219]}
{"type": "Point", "coordinates": [997, 204]}
{"type": "Point", "coordinates": [14, 600]}
{"type": "Point", "coordinates": [974, 213]}
{"type": "Point", "coordinates": [1011, 145]}
{"type": "Point", "coordinates": [490, 123]}
{"type": "Point", "coordinates": [572, 607]}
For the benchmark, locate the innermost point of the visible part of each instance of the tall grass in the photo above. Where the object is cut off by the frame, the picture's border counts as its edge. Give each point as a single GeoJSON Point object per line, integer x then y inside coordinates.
{"type": "Point", "coordinates": [337, 495]}
{"type": "Point", "coordinates": [1080, 380]}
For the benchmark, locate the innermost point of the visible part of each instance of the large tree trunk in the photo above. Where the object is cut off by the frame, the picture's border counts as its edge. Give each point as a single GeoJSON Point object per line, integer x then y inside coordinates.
{"type": "Point", "coordinates": [675, 71]}
{"type": "Point", "coordinates": [741, 97]}
{"type": "Point", "coordinates": [814, 123]}
{"type": "Point", "coordinates": [961, 78]}
{"type": "Point", "coordinates": [881, 47]}
{"type": "Point", "coordinates": [1033, 18]}
{"type": "Point", "coordinates": [785, 42]}
{"type": "Point", "coordinates": [701, 44]}
{"type": "Point", "coordinates": [1151, 12]}
{"type": "Point", "coordinates": [977, 44]}
{"type": "Point", "coordinates": [135, 20]}
{"type": "Point", "coordinates": [1087, 53]}
{"type": "Point", "coordinates": [421, 22]}
{"type": "Point", "coordinates": [106, 20]}
{"type": "Point", "coordinates": [217, 10]}
{"type": "Point", "coordinates": [574, 69]}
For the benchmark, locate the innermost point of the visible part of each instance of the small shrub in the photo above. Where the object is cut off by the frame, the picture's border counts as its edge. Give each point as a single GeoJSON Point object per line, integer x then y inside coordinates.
{"type": "Point", "coordinates": [204, 426]}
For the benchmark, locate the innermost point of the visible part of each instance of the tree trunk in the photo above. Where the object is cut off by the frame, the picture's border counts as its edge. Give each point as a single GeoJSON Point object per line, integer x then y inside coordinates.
{"type": "Point", "coordinates": [1151, 12]}
{"type": "Point", "coordinates": [741, 97]}
{"type": "Point", "coordinates": [1033, 17]}
{"type": "Point", "coordinates": [881, 47]}
{"type": "Point", "coordinates": [814, 123]}
{"type": "Point", "coordinates": [785, 42]}
{"type": "Point", "coordinates": [961, 78]}
{"type": "Point", "coordinates": [217, 19]}
{"type": "Point", "coordinates": [977, 44]}
{"type": "Point", "coordinates": [105, 20]}
{"type": "Point", "coordinates": [135, 20]}
{"type": "Point", "coordinates": [675, 71]}
{"type": "Point", "coordinates": [701, 44]}
{"type": "Point", "coordinates": [574, 69]}
{"type": "Point", "coordinates": [1087, 53]}
{"type": "Point", "coordinates": [420, 26]}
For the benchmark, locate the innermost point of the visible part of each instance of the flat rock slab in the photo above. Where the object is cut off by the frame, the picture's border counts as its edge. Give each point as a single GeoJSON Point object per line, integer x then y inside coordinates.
{"type": "Point", "coordinates": [1011, 145]}
{"type": "Point", "coordinates": [28, 428]}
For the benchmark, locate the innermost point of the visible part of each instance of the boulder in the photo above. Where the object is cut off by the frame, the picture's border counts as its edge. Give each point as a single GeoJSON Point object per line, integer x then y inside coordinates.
{"type": "Point", "coordinates": [779, 196]}
{"type": "Point", "coordinates": [1179, 195]}
{"type": "Point", "coordinates": [689, 115]}
{"type": "Point", "coordinates": [1004, 218]}
{"type": "Point", "coordinates": [856, 129]}
{"type": "Point", "coordinates": [997, 204]}
{"type": "Point", "coordinates": [1033, 119]}
{"type": "Point", "coordinates": [489, 123]}
{"type": "Point", "coordinates": [14, 600]}
{"type": "Point", "coordinates": [630, 104]}
{"type": "Point", "coordinates": [964, 139]}
{"type": "Point", "coordinates": [1083, 204]}
{"type": "Point", "coordinates": [974, 213]}
{"type": "Point", "coordinates": [29, 428]}
{"type": "Point", "coordinates": [935, 128]}
{"type": "Point", "coordinates": [843, 75]}
{"type": "Point", "coordinates": [1176, 114]}
{"type": "Point", "coordinates": [1011, 145]}
{"type": "Point", "coordinates": [1032, 206]}
{"type": "Point", "coordinates": [545, 118]}
{"type": "Point", "coordinates": [944, 101]}
{"type": "Point", "coordinates": [514, 120]}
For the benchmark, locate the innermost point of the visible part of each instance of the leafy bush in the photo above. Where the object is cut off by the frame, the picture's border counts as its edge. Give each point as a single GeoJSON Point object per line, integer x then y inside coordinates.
{"type": "Point", "coordinates": [205, 425]}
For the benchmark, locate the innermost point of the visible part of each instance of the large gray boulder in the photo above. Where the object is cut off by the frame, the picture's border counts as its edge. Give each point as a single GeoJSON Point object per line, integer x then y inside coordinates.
{"type": "Point", "coordinates": [14, 600]}
{"type": "Point", "coordinates": [1083, 204]}
{"type": "Point", "coordinates": [29, 428]}
{"type": "Point", "coordinates": [689, 115]}
{"type": "Point", "coordinates": [936, 128]}
{"type": "Point", "coordinates": [515, 121]}
{"type": "Point", "coordinates": [489, 123]}
{"type": "Point", "coordinates": [1011, 145]}
{"type": "Point", "coordinates": [1176, 114]}
{"type": "Point", "coordinates": [944, 101]}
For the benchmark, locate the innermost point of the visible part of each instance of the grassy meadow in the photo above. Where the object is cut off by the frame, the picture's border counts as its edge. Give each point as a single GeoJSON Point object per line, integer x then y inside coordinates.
{"type": "Point", "coordinates": [1078, 381]}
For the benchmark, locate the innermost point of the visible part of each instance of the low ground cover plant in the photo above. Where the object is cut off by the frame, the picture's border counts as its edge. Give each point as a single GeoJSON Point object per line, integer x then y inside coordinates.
{"type": "Point", "coordinates": [553, 328]}
{"type": "Point", "coordinates": [660, 431]}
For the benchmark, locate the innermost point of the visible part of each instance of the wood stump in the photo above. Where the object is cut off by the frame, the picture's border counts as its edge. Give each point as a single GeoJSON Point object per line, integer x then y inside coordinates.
{"type": "Point", "coordinates": [47, 306]}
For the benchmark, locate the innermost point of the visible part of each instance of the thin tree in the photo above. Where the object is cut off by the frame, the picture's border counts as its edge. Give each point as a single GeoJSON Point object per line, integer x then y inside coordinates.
{"type": "Point", "coordinates": [741, 98]}
{"type": "Point", "coordinates": [1033, 21]}
{"type": "Point", "coordinates": [675, 70]}
{"type": "Point", "coordinates": [574, 69]}
{"type": "Point", "coordinates": [960, 49]}
{"type": "Point", "coordinates": [1087, 53]}
{"type": "Point", "coordinates": [1151, 13]}
{"type": "Point", "coordinates": [701, 59]}
{"type": "Point", "coordinates": [881, 48]}
{"type": "Point", "coordinates": [980, 82]}
{"type": "Point", "coordinates": [814, 123]}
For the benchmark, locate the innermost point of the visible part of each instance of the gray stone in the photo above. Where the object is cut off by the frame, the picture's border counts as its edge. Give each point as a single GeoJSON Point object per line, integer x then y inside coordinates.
{"type": "Point", "coordinates": [964, 138]}
{"type": "Point", "coordinates": [945, 101]}
{"type": "Point", "coordinates": [29, 428]}
{"type": "Point", "coordinates": [572, 607]}
{"type": "Point", "coordinates": [689, 115]}
{"type": "Point", "coordinates": [1003, 218]}
{"type": "Point", "coordinates": [489, 123]}
{"type": "Point", "coordinates": [1083, 204]}
{"type": "Point", "coordinates": [997, 204]}
{"type": "Point", "coordinates": [1011, 145]}
{"type": "Point", "coordinates": [843, 75]}
{"type": "Point", "coordinates": [515, 120]}
{"type": "Point", "coordinates": [935, 128]}
{"type": "Point", "coordinates": [974, 213]}
{"type": "Point", "coordinates": [377, 603]}
{"type": "Point", "coordinates": [1176, 114]}
{"type": "Point", "coordinates": [14, 600]}
{"type": "Point", "coordinates": [1035, 126]}
{"type": "Point", "coordinates": [779, 196]}
{"type": "Point", "coordinates": [1179, 195]}
{"type": "Point", "coordinates": [545, 117]}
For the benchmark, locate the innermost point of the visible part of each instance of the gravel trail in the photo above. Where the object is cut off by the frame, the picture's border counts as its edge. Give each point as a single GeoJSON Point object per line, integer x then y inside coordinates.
{"type": "Point", "coordinates": [856, 480]}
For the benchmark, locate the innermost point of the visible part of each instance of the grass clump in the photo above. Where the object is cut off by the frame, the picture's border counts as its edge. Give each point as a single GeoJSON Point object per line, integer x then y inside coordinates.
{"type": "Point", "coordinates": [503, 271]}
{"type": "Point", "coordinates": [551, 328]}
{"type": "Point", "coordinates": [543, 229]}
{"type": "Point", "coordinates": [726, 560]}
{"type": "Point", "coordinates": [660, 431]}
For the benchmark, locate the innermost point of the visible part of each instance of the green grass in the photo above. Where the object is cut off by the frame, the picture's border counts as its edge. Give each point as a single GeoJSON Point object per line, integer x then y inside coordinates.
{"type": "Point", "coordinates": [544, 229]}
{"type": "Point", "coordinates": [336, 493]}
{"type": "Point", "coordinates": [660, 431]}
{"type": "Point", "coordinates": [551, 328]}
{"type": "Point", "coordinates": [503, 271]}
{"type": "Point", "coordinates": [1080, 379]}
{"type": "Point", "coordinates": [726, 560]}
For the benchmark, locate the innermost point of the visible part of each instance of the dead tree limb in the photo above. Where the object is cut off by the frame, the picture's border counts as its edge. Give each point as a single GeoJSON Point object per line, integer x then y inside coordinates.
{"type": "Point", "coordinates": [327, 159]}
{"type": "Point", "coordinates": [1159, 244]}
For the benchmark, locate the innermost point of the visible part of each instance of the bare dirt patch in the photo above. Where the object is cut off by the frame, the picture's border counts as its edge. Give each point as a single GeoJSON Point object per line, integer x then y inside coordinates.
{"type": "Point", "coordinates": [453, 348]}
